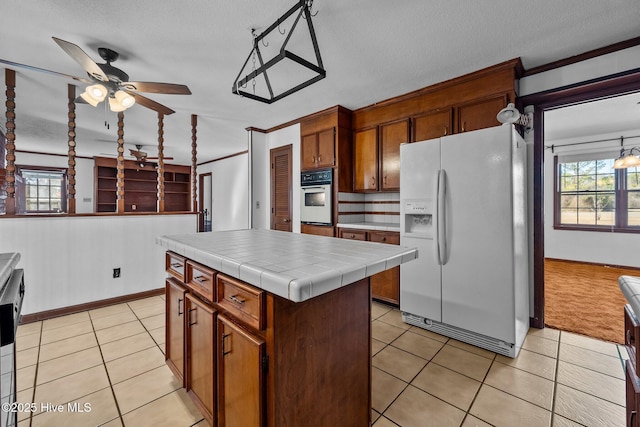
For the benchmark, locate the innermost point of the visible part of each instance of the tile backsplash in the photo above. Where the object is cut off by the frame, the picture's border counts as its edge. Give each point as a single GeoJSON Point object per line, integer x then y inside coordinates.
{"type": "Point", "coordinates": [369, 207]}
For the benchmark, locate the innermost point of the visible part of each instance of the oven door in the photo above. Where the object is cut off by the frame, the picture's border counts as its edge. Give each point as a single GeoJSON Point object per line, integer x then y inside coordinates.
{"type": "Point", "coordinates": [315, 204]}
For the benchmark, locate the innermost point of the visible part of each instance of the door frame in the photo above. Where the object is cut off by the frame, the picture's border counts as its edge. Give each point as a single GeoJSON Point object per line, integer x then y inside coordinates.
{"type": "Point", "coordinates": [273, 152]}
{"type": "Point", "coordinates": [600, 88]}
{"type": "Point", "coordinates": [201, 178]}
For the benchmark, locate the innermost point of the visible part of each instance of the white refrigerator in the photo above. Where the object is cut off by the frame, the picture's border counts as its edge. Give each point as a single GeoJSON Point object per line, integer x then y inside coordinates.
{"type": "Point", "coordinates": [463, 205]}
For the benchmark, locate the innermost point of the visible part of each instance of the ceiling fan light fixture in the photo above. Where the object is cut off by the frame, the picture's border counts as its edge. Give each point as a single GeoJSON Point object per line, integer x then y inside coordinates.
{"type": "Point", "coordinates": [115, 106]}
{"type": "Point", "coordinates": [125, 99]}
{"type": "Point", "coordinates": [94, 94]}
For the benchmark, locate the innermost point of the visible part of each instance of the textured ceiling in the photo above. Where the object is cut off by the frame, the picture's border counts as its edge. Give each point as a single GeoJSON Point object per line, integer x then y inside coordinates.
{"type": "Point", "coordinates": [372, 50]}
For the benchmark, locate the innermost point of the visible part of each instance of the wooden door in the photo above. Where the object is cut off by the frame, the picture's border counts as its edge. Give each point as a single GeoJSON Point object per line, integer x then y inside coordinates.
{"type": "Point", "coordinates": [241, 384]}
{"type": "Point", "coordinates": [391, 136]}
{"type": "Point", "coordinates": [326, 148]}
{"type": "Point", "coordinates": [308, 151]}
{"type": "Point", "coordinates": [281, 188]}
{"type": "Point", "coordinates": [175, 326]}
{"type": "Point", "coordinates": [366, 160]}
{"type": "Point", "coordinates": [201, 361]}
{"type": "Point", "coordinates": [432, 125]}
{"type": "Point", "coordinates": [480, 115]}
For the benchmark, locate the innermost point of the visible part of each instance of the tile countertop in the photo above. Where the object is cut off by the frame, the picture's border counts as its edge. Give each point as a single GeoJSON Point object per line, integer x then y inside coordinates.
{"type": "Point", "coordinates": [630, 287]}
{"type": "Point", "coordinates": [8, 262]}
{"type": "Point", "coordinates": [291, 265]}
{"type": "Point", "coordinates": [378, 226]}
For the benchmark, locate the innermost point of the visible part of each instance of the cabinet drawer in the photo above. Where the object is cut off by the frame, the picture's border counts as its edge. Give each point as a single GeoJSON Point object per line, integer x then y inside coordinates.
{"type": "Point", "coordinates": [632, 394]}
{"type": "Point", "coordinates": [353, 234]}
{"type": "Point", "coordinates": [631, 336]}
{"type": "Point", "coordinates": [175, 265]}
{"type": "Point", "coordinates": [243, 301]}
{"type": "Point", "coordinates": [390, 237]}
{"type": "Point", "coordinates": [200, 279]}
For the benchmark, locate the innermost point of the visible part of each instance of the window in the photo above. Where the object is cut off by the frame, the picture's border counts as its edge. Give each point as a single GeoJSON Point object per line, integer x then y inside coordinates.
{"type": "Point", "coordinates": [45, 190]}
{"type": "Point", "coordinates": [592, 195]}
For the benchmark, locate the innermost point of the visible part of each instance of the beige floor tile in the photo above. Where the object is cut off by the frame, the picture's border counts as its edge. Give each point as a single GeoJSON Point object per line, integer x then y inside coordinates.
{"type": "Point", "coordinates": [374, 416]}
{"type": "Point", "coordinates": [586, 409]}
{"type": "Point", "coordinates": [384, 389]}
{"type": "Point", "coordinates": [202, 423]}
{"type": "Point", "coordinates": [398, 363]}
{"type": "Point", "coordinates": [118, 332]}
{"type": "Point", "coordinates": [67, 346]}
{"type": "Point", "coordinates": [158, 335]}
{"type": "Point", "coordinates": [25, 377]}
{"type": "Point", "coordinates": [415, 408]}
{"type": "Point", "coordinates": [175, 409]}
{"type": "Point", "coordinates": [592, 360]}
{"type": "Point", "coordinates": [69, 364]}
{"type": "Point", "coordinates": [589, 343]}
{"type": "Point", "coordinates": [378, 310]}
{"type": "Point", "coordinates": [532, 362]}
{"type": "Point", "coordinates": [113, 320]}
{"type": "Point", "coordinates": [548, 333]}
{"type": "Point", "coordinates": [419, 345]}
{"type": "Point", "coordinates": [109, 310]}
{"type": "Point", "coordinates": [541, 345]}
{"type": "Point", "coordinates": [25, 397]}
{"type": "Point", "coordinates": [103, 409]}
{"type": "Point", "coordinates": [73, 387]}
{"type": "Point", "coordinates": [522, 384]}
{"type": "Point", "coordinates": [29, 328]}
{"type": "Point", "coordinates": [383, 422]}
{"type": "Point", "coordinates": [472, 421]}
{"type": "Point", "coordinates": [151, 310]}
{"type": "Point", "coordinates": [592, 382]}
{"type": "Point", "coordinates": [153, 322]}
{"type": "Point", "coordinates": [64, 332]}
{"type": "Point", "coordinates": [144, 388]}
{"type": "Point", "coordinates": [27, 341]}
{"type": "Point", "coordinates": [559, 421]}
{"type": "Point", "coordinates": [27, 357]}
{"type": "Point", "coordinates": [472, 348]}
{"type": "Point", "coordinates": [125, 346]}
{"type": "Point", "coordinates": [376, 346]}
{"type": "Point", "coordinates": [134, 364]}
{"type": "Point", "coordinates": [113, 423]}
{"type": "Point", "coordinates": [394, 317]}
{"type": "Point", "coordinates": [445, 384]}
{"type": "Point", "coordinates": [501, 409]}
{"type": "Point", "coordinates": [463, 362]}
{"type": "Point", "coordinates": [385, 332]}
{"type": "Point", "coordinates": [429, 334]}
{"type": "Point", "coordinates": [67, 320]}
{"type": "Point", "coordinates": [146, 302]}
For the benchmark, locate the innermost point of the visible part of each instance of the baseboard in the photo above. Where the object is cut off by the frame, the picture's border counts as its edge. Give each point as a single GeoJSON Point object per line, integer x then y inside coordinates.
{"type": "Point", "coordinates": [50, 314]}
{"type": "Point", "coordinates": [626, 267]}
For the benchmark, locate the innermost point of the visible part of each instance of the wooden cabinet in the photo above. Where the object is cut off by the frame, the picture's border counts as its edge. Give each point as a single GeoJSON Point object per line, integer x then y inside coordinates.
{"type": "Point", "coordinates": [318, 149]}
{"type": "Point", "coordinates": [391, 136]}
{"type": "Point", "coordinates": [632, 345]}
{"type": "Point", "coordinates": [366, 160]}
{"type": "Point", "coordinates": [318, 230]}
{"type": "Point", "coordinates": [201, 355]}
{"type": "Point", "coordinates": [385, 286]}
{"type": "Point", "coordinates": [432, 125]}
{"type": "Point", "coordinates": [175, 328]}
{"type": "Point", "coordinates": [480, 114]}
{"type": "Point", "coordinates": [241, 376]}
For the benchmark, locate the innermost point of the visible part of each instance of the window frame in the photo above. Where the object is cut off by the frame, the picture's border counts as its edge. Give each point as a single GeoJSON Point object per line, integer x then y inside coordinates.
{"type": "Point", "coordinates": [63, 195]}
{"type": "Point", "coordinates": [621, 207]}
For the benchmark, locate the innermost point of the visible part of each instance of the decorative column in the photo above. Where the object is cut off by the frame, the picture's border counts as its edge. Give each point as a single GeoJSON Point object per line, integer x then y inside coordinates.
{"type": "Point", "coordinates": [10, 155]}
{"type": "Point", "coordinates": [120, 165]}
{"type": "Point", "coordinates": [160, 162]}
{"type": "Point", "coordinates": [71, 170]}
{"type": "Point", "coordinates": [194, 158]}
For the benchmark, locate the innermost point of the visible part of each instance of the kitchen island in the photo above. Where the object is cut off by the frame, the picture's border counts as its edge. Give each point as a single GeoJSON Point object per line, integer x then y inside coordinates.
{"type": "Point", "coordinates": [269, 328]}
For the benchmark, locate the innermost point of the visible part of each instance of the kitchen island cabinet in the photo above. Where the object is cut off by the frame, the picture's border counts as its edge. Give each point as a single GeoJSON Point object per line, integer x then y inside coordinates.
{"type": "Point", "coordinates": [291, 338]}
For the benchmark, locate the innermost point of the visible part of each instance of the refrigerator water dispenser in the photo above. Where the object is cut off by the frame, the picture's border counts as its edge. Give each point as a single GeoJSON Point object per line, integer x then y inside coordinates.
{"type": "Point", "coordinates": [418, 218]}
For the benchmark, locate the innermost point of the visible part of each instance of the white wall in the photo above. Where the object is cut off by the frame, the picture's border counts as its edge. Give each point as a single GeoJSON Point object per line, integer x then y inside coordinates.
{"type": "Point", "coordinates": [70, 260]}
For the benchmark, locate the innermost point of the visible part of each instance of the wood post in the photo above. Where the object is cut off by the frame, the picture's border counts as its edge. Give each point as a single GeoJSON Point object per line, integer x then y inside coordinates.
{"type": "Point", "coordinates": [10, 155]}
{"type": "Point", "coordinates": [120, 165]}
{"type": "Point", "coordinates": [194, 158]}
{"type": "Point", "coordinates": [71, 171]}
{"type": "Point", "coordinates": [160, 162]}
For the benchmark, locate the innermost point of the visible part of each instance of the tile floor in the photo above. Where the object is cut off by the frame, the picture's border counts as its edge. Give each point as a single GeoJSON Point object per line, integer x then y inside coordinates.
{"type": "Point", "coordinates": [112, 358]}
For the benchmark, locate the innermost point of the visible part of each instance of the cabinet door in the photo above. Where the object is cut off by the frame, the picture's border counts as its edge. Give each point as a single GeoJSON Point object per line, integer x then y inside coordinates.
{"type": "Point", "coordinates": [201, 362]}
{"type": "Point", "coordinates": [366, 160]}
{"type": "Point", "coordinates": [391, 136]}
{"type": "Point", "coordinates": [385, 286]}
{"type": "Point", "coordinates": [326, 148]}
{"type": "Point", "coordinates": [175, 325]}
{"type": "Point", "coordinates": [432, 125]}
{"type": "Point", "coordinates": [241, 376]}
{"type": "Point", "coordinates": [480, 115]}
{"type": "Point", "coordinates": [309, 151]}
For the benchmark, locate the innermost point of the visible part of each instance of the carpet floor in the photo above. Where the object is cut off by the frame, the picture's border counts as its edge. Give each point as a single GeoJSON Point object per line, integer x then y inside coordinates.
{"type": "Point", "coordinates": [585, 298]}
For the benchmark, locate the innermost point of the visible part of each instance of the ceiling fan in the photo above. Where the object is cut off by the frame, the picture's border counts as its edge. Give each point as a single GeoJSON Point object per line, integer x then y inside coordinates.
{"type": "Point", "coordinates": [105, 80]}
{"type": "Point", "coordinates": [142, 157]}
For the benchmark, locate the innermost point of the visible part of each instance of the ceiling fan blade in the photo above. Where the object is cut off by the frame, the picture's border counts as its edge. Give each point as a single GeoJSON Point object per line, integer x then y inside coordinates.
{"type": "Point", "coordinates": [43, 70]}
{"type": "Point", "coordinates": [82, 58]}
{"type": "Point", "coordinates": [152, 87]}
{"type": "Point", "coordinates": [153, 105]}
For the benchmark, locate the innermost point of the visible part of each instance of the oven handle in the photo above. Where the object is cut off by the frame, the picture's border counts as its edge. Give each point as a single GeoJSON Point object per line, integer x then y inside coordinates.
{"type": "Point", "coordinates": [313, 188]}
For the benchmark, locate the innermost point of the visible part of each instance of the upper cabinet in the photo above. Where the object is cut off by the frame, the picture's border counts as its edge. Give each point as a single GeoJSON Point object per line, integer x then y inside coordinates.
{"type": "Point", "coordinates": [318, 149]}
{"type": "Point", "coordinates": [480, 114]}
{"type": "Point", "coordinates": [432, 125]}
{"type": "Point", "coordinates": [366, 160]}
{"type": "Point", "coordinates": [391, 136]}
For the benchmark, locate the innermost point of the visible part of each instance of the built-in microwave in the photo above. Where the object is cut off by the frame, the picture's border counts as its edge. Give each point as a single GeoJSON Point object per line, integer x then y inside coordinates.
{"type": "Point", "coordinates": [315, 197]}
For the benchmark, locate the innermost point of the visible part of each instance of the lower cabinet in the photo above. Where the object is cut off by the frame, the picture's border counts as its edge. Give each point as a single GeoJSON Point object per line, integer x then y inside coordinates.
{"type": "Point", "coordinates": [175, 327]}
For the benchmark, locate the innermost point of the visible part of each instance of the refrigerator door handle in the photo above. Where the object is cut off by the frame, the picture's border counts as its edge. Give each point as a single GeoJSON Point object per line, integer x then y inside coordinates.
{"type": "Point", "coordinates": [441, 225]}
{"type": "Point", "coordinates": [436, 218]}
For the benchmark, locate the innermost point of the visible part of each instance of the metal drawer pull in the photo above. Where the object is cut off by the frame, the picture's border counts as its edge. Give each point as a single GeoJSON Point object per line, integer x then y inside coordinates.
{"type": "Point", "coordinates": [224, 352]}
{"type": "Point", "coordinates": [237, 300]}
{"type": "Point", "coordinates": [190, 322]}
{"type": "Point", "coordinates": [176, 265]}
{"type": "Point", "coordinates": [179, 309]}
{"type": "Point", "coordinates": [200, 279]}
{"type": "Point", "coordinates": [629, 338]}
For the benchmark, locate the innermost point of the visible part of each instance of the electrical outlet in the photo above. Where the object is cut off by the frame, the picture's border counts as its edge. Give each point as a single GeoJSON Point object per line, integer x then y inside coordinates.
{"type": "Point", "coordinates": [116, 273]}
